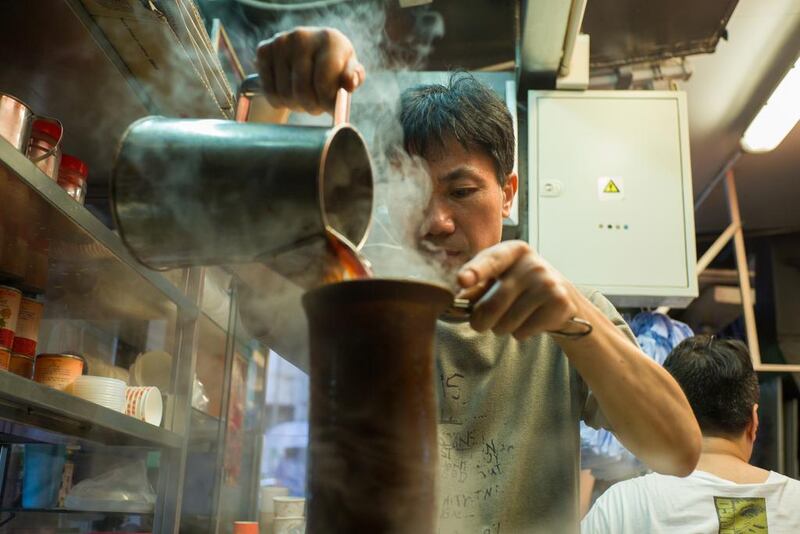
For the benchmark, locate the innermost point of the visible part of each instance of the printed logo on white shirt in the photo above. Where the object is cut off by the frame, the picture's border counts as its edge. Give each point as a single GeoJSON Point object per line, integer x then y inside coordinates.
{"type": "Point", "coordinates": [741, 515]}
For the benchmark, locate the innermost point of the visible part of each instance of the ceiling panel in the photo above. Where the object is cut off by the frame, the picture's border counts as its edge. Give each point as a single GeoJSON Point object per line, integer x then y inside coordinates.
{"type": "Point", "coordinates": [724, 94]}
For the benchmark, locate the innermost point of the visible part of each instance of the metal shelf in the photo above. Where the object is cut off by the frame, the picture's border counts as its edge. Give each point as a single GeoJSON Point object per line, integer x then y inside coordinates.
{"type": "Point", "coordinates": [92, 273]}
{"type": "Point", "coordinates": [70, 512]}
{"type": "Point", "coordinates": [77, 72]}
{"type": "Point", "coordinates": [88, 69]}
{"type": "Point", "coordinates": [203, 420]}
{"type": "Point", "coordinates": [28, 403]}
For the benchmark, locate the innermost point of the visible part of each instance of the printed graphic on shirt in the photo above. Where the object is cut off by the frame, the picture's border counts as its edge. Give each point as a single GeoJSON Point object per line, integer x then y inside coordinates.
{"type": "Point", "coordinates": [741, 515]}
{"type": "Point", "coordinates": [472, 467]}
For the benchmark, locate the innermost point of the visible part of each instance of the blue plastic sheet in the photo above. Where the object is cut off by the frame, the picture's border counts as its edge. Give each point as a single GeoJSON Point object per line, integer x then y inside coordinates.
{"type": "Point", "coordinates": [601, 452]}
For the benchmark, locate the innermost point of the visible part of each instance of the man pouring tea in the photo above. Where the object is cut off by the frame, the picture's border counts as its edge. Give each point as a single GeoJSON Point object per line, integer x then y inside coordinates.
{"type": "Point", "coordinates": [538, 353]}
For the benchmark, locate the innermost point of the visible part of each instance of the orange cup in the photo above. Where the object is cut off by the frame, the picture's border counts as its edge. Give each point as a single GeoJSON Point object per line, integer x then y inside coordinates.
{"type": "Point", "coordinates": [245, 527]}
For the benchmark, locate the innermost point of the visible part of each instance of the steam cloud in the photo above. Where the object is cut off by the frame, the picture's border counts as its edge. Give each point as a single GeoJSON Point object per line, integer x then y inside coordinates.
{"type": "Point", "coordinates": [271, 309]}
{"type": "Point", "coordinates": [402, 183]}
{"type": "Point", "coordinates": [402, 190]}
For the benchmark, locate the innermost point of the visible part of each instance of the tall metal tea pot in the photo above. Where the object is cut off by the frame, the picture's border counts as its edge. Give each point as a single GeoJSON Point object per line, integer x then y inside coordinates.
{"type": "Point", "coordinates": [208, 192]}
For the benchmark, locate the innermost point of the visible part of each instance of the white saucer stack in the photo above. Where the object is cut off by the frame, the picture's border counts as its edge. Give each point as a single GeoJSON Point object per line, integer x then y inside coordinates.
{"type": "Point", "coordinates": [108, 392]}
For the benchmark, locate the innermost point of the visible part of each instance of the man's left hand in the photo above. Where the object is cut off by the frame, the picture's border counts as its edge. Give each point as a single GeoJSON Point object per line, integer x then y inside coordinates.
{"type": "Point", "coordinates": [525, 296]}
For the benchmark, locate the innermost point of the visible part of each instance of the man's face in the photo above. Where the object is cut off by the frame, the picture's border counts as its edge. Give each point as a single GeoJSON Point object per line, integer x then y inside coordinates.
{"type": "Point", "coordinates": [467, 206]}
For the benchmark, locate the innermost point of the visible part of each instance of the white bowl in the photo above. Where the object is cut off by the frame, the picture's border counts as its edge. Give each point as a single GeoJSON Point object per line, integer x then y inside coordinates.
{"type": "Point", "coordinates": [108, 392]}
{"type": "Point", "coordinates": [99, 382]}
{"type": "Point", "coordinates": [103, 399]}
{"type": "Point", "coordinates": [88, 394]}
{"type": "Point", "coordinates": [112, 402]}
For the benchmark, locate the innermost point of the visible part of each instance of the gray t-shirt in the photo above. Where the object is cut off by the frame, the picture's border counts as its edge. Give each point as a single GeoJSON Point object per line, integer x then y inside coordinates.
{"type": "Point", "coordinates": [508, 431]}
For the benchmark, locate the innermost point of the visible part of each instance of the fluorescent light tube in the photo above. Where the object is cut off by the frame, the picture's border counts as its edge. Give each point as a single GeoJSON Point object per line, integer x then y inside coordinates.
{"type": "Point", "coordinates": [778, 116]}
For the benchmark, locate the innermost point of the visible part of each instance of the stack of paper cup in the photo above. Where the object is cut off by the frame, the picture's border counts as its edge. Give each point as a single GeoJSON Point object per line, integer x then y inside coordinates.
{"type": "Point", "coordinates": [144, 403]}
{"type": "Point", "coordinates": [108, 392]}
{"type": "Point", "coordinates": [289, 525]}
{"type": "Point", "coordinates": [289, 515]}
{"type": "Point", "coordinates": [266, 508]}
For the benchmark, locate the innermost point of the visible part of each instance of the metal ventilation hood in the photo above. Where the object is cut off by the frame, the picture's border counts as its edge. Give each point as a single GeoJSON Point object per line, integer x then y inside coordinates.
{"type": "Point", "coordinates": [632, 31]}
{"type": "Point", "coordinates": [622, 32]}
{"type": "Point", "coordinates": [535, 36]}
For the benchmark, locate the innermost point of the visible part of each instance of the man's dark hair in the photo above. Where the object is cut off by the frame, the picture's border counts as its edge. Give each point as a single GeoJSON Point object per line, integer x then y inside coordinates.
{"type": "Point", "coordinates": [465, 110]}
{"type": "Point", "coordinates": [717, 377]}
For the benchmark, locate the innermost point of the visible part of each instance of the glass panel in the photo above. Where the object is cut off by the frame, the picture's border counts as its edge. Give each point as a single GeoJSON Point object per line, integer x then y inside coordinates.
{"type": "Point", "coordinates": [97, 302]}
{"type": "Point", "coordinates": [201, 474]}
{"type": "Point", "coordinates": [72, 487]}
{"type": "Point", "coordinates": [285, 440]}
{"type": "Point", "coordinates": [222, 468]}
{"type": "Point", "coordinates": [210, 368]}
{"type": "Point", "coordinates": [286, 436]}
{"type": "Point", "coordinates": [70, 456]}
{"type": "Point", "coordinates": [240, 475]}
{"type": "Point", "coordinates": [216, 303]}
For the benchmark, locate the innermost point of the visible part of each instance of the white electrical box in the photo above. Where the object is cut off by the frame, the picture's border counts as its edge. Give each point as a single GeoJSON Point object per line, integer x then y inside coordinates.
{"type": "Point", "coordinates": [610, 200]}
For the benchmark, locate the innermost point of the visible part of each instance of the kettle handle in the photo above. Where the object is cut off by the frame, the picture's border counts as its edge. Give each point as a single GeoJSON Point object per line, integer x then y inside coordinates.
{"type": "Point", "coordinates": [252, 85]}
{"type": "Point", "coordinates": [341, 110]}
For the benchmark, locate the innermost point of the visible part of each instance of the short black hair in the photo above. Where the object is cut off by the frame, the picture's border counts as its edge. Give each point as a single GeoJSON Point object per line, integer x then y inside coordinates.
{"type": "Point", "coordinates": [464, 109]}
{"type": "Point", "coordinates": [717, 377]}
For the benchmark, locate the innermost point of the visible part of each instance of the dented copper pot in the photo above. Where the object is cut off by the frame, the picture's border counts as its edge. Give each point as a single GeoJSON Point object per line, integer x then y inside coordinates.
{"type": "Point", "coordinates": [373, 415]}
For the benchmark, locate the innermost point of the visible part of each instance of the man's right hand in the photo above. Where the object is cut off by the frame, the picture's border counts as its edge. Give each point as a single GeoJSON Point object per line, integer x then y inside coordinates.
{"type": "Point", "coordinates": [303, 68]}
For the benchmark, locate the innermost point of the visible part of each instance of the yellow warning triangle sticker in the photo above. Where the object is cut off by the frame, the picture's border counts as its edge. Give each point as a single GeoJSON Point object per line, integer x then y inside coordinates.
{"type": "Point", "coordinates": [611, 187]}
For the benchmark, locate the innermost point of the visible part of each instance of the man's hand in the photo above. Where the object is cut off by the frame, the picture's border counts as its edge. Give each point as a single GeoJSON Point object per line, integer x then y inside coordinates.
{"type": "Point", "coordinates": [525, 295]}
{"type": "Point", "coordinates": [302, 69]}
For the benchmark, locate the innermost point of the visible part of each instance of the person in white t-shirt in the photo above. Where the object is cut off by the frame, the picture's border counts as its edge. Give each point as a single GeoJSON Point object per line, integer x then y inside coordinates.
{"type": "Point", "coordinates": [725, 494]}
